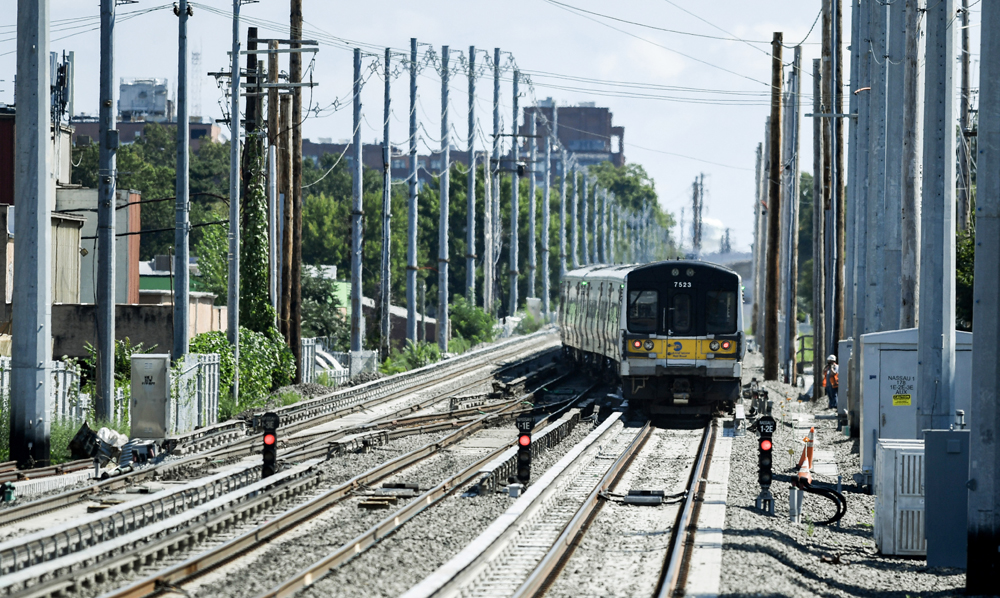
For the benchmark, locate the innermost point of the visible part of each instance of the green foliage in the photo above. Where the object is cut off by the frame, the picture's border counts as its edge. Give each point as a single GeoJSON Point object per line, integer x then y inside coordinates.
{"type": "Point", "coordinates": [528, 324]}
{"type": "Point", "coordinates": [289, 398]}
{"type": "Point", "coordinates": [212, 250]}
{"type": "Point", "coordinates": [62, 431]}
{"type": "Point", "coordinates": [414, 355]}
{"type": "Point", "coordinates": [321, 310]}
{"type": "Point", "coordinates": [325, 379]}
{"type": "Point", "coordinates": [805, 261]}
{"type": "Point", "coordinates": [470, 322]}
{"type": "Point", "coordinates": [266, 364]}
{"type": "Point", "coordinates": [148, 165]}
{"type": "Point", "coordinates": [124, 349]}
{"type": "Point", "coordinates": [256, 312]}
{"type": "Point", "coordinates": [965, 254]}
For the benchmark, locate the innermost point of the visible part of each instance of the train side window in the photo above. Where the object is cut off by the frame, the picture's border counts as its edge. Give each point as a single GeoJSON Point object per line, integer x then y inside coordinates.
{"type": "Point", "coordinates": [680, 313]}
{"type": "Point", "coordinates": [642, 311]}
{"type": "Point", "coordinates": [720, 312]}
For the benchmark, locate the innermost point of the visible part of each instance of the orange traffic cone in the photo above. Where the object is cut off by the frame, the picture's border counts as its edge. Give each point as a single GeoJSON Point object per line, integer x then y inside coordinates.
{"type": "Point", "coordinates": [807, 450]}
{"type": "Point", "coordinates": [804, 478]}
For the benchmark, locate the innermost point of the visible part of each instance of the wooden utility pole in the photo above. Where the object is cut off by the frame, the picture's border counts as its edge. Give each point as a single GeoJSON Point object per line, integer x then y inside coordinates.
{"type": "Point", "coordinates": [818, 247]}
{"type": "Point", "coordinates": [295, 303]}
{"type": "Point", "coordinates": [774, 216]}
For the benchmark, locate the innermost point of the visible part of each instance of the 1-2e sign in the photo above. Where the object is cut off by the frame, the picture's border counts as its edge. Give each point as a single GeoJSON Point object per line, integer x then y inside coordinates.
{"type": "Point", "coordinates": [766, 425]}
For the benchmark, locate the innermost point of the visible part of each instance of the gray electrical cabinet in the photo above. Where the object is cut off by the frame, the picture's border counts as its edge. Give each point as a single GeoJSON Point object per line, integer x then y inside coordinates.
{"type": "Point", "coordinates": [946, 473]}
{"type": "Point", "coordinates": [150, 404]}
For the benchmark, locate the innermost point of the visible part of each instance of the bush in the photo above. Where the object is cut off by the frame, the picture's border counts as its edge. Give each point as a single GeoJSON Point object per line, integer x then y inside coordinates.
{"type": "Point", "coordinates": [470, 322]}
{"type": "Point", "coordinates": [527, 325]}
{"type": "Point", "coordinates": [124, 349]}
{"type": "Point", "coordinates": [413, 356]}
{"type": "Point", "coordinates": [266, 364]}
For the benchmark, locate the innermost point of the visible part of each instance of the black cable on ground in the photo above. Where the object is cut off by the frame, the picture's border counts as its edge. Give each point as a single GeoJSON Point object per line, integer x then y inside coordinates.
{"type": "Point", "coordinates": [837, 498]}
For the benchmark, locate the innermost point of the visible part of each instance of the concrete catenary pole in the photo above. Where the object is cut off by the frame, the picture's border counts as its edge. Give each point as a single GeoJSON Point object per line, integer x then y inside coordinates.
{"type": "Point", "coordinates": [758, 235]}
{"type": "Point", "coordinates": [604, 227]}
{"type": "Point", "coordinates": [965, 104]}
{"type": "Point", "coordinates": [385, 295]}
{"type": "Point", "coordinates": [233, 291]}
{"type": "Point", "coordinates": [984, 495]}
{"type": "Point", "coordinates": [849, 253]}
{"type": "Point", "coordinates": [181, 224]}
{"type": "Point", "coordinates": [836, 250]}
{"type": "Point", "coordinates": [895, 135]}
{"type": "Point", "coordinates": [357, 331]}
{"type": "Point", "coordinates": [586, 202]}
{"type": "Point", "coordinates": [31, 330]}
{"type": "Point", "coordinates": [514, 205]}
{"type": "Point", "coordinates": [818, 224]}
{"type": "Point", "coordinates": [576, 220]}
{"type": "Point", "coordinates": [442, 315]}
{"type": "Point", "coordinates": [273, 116]}
{"type": "Point", "coordinates": [912, 158]}
{"type": "Point", "coordinates": [774, 214]}
{"type": "Point", "coordinates": [295, 74]}
{"type": "Point", "coordinates": [106, 192]}
{"type": "Point", "coordinates": [792, 150]}
{"type": "Point", "coordinates": [546, 197]}
{"type": "Point", "coordinates": [875, 204]}
{"type": "Point", "coordinates": [470, 196]}
{"type": "Point", "coordinates": [494, 182]}
{"type": "Point", "coordinates": [595, 259]}
{"type": "Point", "coordinates": [936, 347]}
{"type": "Point", "coordinates": [411, 205]}
{"type": "Point", "coordinates": [288, 215]}
{"type": "Point", "coordinates": [562, 192]}
{"type": "Point", "coordinates": [532, 200]}
{"type": "Point", "coordinates": [764, 223]}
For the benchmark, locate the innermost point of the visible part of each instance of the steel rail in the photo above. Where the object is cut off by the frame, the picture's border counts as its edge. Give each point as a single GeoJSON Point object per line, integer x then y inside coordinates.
{"type": "Point", "coordinates": [684, 529]}
{"type": "Point", "coordinates": [12, 474]}
{"type": "Point", "coordinates": [553, 561]}
{"type": "Point", "coordinates": [195, 566]}
{"type": "Point", "coordinates": [48, 504]}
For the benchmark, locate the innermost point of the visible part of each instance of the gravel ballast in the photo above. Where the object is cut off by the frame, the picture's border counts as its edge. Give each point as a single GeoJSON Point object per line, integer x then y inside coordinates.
{"type": "Point", "coordinates": [771, 556]}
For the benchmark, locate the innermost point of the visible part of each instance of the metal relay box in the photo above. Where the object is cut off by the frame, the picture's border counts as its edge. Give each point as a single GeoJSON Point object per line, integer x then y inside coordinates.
{"type": "Point", "coordinates": [899, 502]}
{"type": "Point", "coordinates": [149, 406]}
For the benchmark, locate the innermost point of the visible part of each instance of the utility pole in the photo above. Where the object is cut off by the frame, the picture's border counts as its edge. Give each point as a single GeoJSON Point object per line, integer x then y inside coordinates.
{"type": "Point", "coordinates": [875, 250]}
{"type": "Point", "coordinates": [532, 192]}
{"type": "Point", "coordinates": [585, 200]}
{"type": "Point", "coordinates": [595, 259]}
{"type": "Point", "coordinates": [965, 104]}
{"type": "Point", "coordinates": [386, 286]}
{"type": "Point", "coordinates": [181, 224]}
{"type": "Point", "coordinates": [470, 221]}
{"type": "Point", "coordinates": [758, 235]}
{"type": "Point", "coordinates": [233, 292]}
{"type": "Point", "coordinates": [288, 214]}
{"type": "Point", "coordinates": [411, 206]}
{"type": "Point", "coordinates": [576, 221]}
{"type": "Point", "coordinates": [912, 156]}
{"type": "Point", "coordinates": [936, 346]}
{"type": "Point", "coordinates": [836, 248]}
{"type": "Point", "coordinates": [514, 205]}
{"type": "Point", "coordinates": [357, 207]}
{"type": "Point", "coordinates": [442, 316]}
{"type": "Point", "coordinates": [295, 74]}
{"type": "Point", "coordinates": [272, 174]}
{"type": "Point", "coordinates": [984, 492]}
{"type": "Point", "coordinates": [490, 282]}
{"type": "Point", "coordinates": [774, 221]}
{"type": "Point", "coordinates": [695, 244]}
{"type": "Point", "coordinates": [894, 134]}
{"type": "Point", "coordinates": [106, 193]}
{"type": "Point", "coordinates": [819, 273]}
{"type": "Point", "coordinates": [604, 227]}
{"type": "Point", "coordinates": [546, 190]}
{"type": "Point", "coordinates": [849, 255]}
{"type": "Point", "coordinates": [562, 193]}
{"type": "Point", "coordinates": [31, 330]}
{"type": "Point", "coordinates": [794, 116]}
{"type": "Point", "coordinates": [764, 242]}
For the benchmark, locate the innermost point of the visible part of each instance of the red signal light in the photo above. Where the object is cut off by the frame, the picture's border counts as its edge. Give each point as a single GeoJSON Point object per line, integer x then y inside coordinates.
{"type": "Point", "coordinates": [524, 440]}
{"type": "Point", "coordinates": [726, 345]}
{"type": "Point", "coordinates": [268, 439]}
{"type": "Point", "coordinates": [765, 445]}
{"type": "Point", "coordinates": [637, 344]}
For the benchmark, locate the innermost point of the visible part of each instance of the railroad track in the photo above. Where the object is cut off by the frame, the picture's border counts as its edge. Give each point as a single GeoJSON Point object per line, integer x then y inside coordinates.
{"type": "Point", "coordinates": [324, 409]}
{"type": "Point", "coordinates": [189, 570]}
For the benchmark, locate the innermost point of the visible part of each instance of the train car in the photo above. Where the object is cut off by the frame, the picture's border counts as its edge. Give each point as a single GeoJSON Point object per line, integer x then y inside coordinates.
{"type": "Point", "coordinates": [671, 331]}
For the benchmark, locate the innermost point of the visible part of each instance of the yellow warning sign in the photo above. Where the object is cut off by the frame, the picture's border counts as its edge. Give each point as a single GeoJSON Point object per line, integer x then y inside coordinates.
{"type": "Point", "coordinates": [901, 400]}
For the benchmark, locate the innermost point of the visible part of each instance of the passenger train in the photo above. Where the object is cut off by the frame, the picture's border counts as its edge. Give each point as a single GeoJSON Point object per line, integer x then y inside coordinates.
{"type": "Point", "coordinates": [671, 331]}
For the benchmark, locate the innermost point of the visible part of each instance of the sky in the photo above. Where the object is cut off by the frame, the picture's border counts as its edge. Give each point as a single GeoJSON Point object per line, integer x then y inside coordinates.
{"type": "Point", "coordinates": [711, 126]}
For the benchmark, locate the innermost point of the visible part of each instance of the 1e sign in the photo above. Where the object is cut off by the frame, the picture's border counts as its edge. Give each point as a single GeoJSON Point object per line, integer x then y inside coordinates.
{"type": "Point", "coordinates": [525, 423]}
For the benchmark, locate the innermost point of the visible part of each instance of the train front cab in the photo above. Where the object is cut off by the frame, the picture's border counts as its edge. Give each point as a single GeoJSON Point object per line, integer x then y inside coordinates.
{"type": "Point", "coordinates": [683, 338]}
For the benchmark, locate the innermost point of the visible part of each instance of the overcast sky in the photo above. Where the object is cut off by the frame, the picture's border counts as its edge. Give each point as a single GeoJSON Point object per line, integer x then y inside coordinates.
{"type": "Point", "coordinates": [713, 127]}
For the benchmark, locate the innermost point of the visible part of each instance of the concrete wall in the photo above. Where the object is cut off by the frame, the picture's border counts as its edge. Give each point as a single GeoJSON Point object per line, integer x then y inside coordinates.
{"type": "Point", "coordinates": [203, 315]}
{"type": "Point", "coordinates": [74, 325]}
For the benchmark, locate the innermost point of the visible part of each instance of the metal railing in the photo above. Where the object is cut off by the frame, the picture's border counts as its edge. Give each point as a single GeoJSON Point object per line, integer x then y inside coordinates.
{"type": "Point", "coordinates": [317, 356]}
{"type": "Point", "coordinates": [308, 360]}
{"type": "Point", "coordinates": [195, 396]}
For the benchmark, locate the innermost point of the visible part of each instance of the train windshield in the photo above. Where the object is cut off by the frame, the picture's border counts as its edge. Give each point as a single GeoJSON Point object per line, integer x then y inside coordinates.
{"type": "Point", "coordinates": [680, 313]}
{"type": "Point", "coordinates": [720, 312]}
{"type": "Point", "coordinates": [642, 311]}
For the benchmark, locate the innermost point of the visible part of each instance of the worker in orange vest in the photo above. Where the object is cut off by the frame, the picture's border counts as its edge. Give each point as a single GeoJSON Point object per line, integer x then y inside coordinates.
{"type": "Point", "coordinates": [831, 380]}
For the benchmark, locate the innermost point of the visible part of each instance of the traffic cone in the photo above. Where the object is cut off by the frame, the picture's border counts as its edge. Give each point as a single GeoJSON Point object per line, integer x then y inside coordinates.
{"type": "Point", "coordinates": [804, 478]}
{"type": "Point", "coordinates": [807, 450]}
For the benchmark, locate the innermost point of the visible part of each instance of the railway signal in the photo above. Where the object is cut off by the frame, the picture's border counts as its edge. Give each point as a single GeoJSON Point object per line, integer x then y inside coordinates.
{"type": "Point", "coordinates": [765, 452]}
{"type": "Point", "coordinates": [269, 421]}
{"type": "Point", "coordinates": [525, 423]}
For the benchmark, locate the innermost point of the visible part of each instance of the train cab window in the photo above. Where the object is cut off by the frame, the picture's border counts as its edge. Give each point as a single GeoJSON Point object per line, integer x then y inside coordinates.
{"type": "Point", "coordinates": [642, 311]}
{"type": "Point", "coordinates": [680, 313]}
{"type": "Point", "coordinates": [720, 312]}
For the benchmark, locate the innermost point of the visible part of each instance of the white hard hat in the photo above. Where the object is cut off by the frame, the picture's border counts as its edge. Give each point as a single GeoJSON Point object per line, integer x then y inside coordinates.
{"type": "Point", "coordinates": [832, 358]}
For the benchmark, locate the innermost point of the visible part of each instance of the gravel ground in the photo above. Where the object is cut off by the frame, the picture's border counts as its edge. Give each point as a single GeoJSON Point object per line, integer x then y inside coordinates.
{"type": "Point", "coordinates": [766, 556]}
{"type": "Point", "coordinates": [403, 559]}
{"type": "Point", "coordinates": [622, 552]}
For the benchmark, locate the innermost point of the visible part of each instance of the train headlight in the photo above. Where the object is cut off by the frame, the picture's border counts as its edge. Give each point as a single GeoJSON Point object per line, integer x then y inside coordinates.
{"type": "Point", "coordinates": [726, 345]}
{"type": "Point", "coordinates": [648, 345]}
{"type": "Point", "coordinates": [636, 344]}
{"type": "Point", "coordinates": [690, 271]}
{"type": "Point", "coordinates": [714, 345]}
{"type": "Point", "coordinates": [676, 272]}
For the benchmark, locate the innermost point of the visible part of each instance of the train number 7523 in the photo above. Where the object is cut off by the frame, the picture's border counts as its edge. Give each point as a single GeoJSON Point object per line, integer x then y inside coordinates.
{"type": "Point", "coordinates": [682, 284]}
